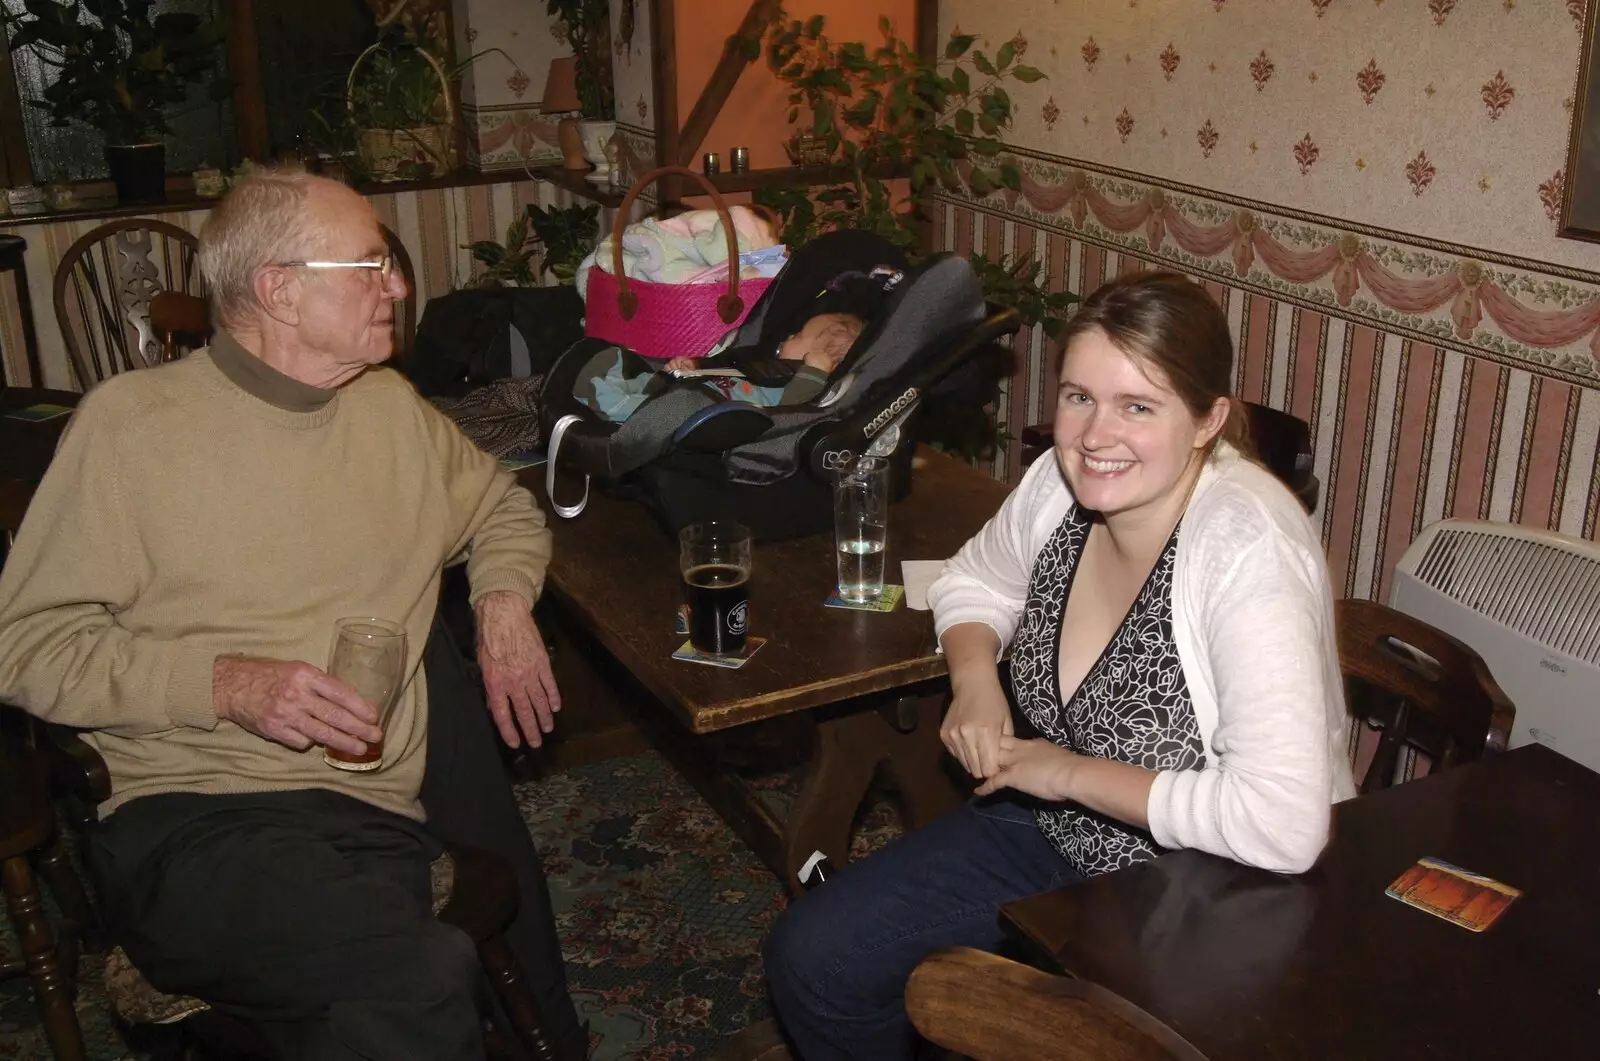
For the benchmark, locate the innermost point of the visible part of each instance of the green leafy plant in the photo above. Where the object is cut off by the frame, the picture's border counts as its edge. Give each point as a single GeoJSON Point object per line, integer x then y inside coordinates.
{"type": "Point", "coordinates": [397, 87]}
{"type": "Point", "coordinates": [565, 233]}
{"type": "Point", "coordinates": [1019, 284]}
{"type": "Point", "coordinates": [588, 28]}
{"type": "Point", "coordinates": [118, 68]}
{"type": "Point", "coordinates": [885, 111]}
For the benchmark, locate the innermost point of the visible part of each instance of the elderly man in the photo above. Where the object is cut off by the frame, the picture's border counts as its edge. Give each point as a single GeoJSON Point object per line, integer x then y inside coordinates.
{"type": "Point", "coordinates": [174, 591]}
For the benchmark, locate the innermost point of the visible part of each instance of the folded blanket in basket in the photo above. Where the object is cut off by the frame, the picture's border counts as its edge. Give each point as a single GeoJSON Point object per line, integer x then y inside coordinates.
{"type": "Point", "coordinates": [678, 249]}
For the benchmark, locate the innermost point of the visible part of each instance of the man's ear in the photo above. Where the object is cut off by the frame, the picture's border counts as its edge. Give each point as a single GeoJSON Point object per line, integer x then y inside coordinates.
{"type": "Point", "coordinates": [278, 292]}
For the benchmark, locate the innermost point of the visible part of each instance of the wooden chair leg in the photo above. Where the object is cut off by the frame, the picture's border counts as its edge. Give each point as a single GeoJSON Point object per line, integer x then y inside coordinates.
{"type": "Point", "coordinates": [63, 880]}
{"type": "Point", "coordinates": [52, 985]}
{"type": "Point", "coordinates": [501, 965]}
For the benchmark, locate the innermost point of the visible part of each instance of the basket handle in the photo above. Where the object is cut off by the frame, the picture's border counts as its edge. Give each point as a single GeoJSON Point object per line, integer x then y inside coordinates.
{"type": "Point", "coordinates": [729, 305]}
{"type": "Point", "coordinates": [452, 116]}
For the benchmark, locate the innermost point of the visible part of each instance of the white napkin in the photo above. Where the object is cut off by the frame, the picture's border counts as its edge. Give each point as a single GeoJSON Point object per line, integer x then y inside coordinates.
{"type": "Point", "coordinates": [918, 575]}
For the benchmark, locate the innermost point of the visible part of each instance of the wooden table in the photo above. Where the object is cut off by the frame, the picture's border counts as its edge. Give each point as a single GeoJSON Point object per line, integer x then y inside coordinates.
{"type": "Point", "coordinates": [26, 447]}
{"type": "Point", "coordinates": [1250, 966]}
{"type": "Point", "coordinates": [874, 682]}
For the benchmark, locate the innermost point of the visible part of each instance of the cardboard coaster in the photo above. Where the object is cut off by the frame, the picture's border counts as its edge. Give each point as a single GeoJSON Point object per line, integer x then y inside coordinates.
{"type": "Point", "coordinates": [887, 601]}
{"type": "Point", "coordinates": [689, 654]}
{"type": "Point", "coordinates": [1470, 900]}
{"type": "Point", "coordinates": [42, 411]}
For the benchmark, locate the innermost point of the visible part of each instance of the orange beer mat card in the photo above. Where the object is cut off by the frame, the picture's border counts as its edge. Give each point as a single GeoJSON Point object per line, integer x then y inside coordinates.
{"type": "Point", "coordinates": [689, 654]}
{"type": "Point", "coordinates": [1471, 901]}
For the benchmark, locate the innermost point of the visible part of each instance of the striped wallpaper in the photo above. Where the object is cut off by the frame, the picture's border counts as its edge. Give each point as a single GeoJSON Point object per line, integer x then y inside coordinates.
{"type": "Point", "coordinates": [436, 227]}
{"type": "Point", "coordinates": [1405, 432]}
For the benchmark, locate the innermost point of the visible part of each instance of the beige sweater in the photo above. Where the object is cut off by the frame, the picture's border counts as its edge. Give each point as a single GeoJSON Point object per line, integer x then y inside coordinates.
{"type": "Point", "coordinates": [213, 506]}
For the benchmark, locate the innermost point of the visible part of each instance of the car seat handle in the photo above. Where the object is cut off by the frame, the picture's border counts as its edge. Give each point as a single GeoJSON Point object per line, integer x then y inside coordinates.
{"type": "Point", "coordinates": [730, 305]}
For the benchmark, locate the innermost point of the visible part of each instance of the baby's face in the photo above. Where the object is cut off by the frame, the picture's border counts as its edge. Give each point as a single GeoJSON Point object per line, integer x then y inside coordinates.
{"type": "Point", "coordinates": [823, 342]}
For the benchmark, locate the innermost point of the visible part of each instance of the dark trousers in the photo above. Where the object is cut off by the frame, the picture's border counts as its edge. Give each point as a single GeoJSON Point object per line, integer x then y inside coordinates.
{"type": "Point", "coordinates": [838, 959]}
{"type": "Point", "coordinates": [468, 797]}
{"type": "Point", "coordinates": [306, 913]}
{"type": "Point", "coordinates": [283, 908]}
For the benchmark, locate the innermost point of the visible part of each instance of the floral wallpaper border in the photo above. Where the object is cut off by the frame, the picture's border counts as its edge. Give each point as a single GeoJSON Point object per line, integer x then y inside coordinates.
{"type": "Point", "coordinates": [1527, 314]}
{"type": "Point", "coordinates": [510, 137]}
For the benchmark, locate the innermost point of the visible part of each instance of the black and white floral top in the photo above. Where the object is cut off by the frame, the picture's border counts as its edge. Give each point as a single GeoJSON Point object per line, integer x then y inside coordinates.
{"type": "Point", "coordinates": [1132, 706]}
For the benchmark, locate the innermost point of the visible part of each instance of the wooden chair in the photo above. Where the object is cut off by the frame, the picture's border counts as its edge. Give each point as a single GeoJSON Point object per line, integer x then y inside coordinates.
{"type": "Point", "coordinates": [989, 1008]}
{"type": "Point", "coordinates": [474, 890]}
{"type": "Point", "coordinates": [104, 286]}
{"type": "Point", "coordinates": [181, 322]}
{"type": "Point", "coordinates": [27, 839]}
{"type": "Point", "coordinates": [1281, 442]}
{"type": "Point", "coordinates": [1425, 690]}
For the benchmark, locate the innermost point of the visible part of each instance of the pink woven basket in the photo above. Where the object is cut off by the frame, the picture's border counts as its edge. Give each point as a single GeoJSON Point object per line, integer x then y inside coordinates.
{"type": "Point", "coordinates": [667, 320]}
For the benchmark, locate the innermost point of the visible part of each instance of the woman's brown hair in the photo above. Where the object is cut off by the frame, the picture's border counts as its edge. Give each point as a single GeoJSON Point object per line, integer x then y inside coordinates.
{"type": "Point", "coordinates": [1165, 320]}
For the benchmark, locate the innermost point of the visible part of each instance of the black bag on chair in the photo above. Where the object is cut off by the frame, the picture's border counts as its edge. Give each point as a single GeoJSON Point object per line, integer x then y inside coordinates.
{"type": "Point", "coordinates": [469, 338]}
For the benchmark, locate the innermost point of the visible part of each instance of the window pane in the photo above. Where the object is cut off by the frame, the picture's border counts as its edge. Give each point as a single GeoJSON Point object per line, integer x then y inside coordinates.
{"type": "Point", "coordinates": [307, 48]}
{"type": "Point", "coordinates": [202, 131]}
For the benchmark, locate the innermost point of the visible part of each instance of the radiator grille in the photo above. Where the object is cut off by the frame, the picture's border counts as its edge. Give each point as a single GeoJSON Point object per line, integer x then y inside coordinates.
{"type": "Point", "coordinates": [1539, 589]}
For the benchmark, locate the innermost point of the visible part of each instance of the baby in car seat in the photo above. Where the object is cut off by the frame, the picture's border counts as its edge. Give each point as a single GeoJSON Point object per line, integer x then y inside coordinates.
{"type": "Point", "coordinates": [798, 373]}
{"type": "Point", "coordinates": [812, 354]}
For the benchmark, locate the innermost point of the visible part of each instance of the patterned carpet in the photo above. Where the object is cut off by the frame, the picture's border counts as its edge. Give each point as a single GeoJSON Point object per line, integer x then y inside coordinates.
{"type": "Point", "coordinates": [662, 909]}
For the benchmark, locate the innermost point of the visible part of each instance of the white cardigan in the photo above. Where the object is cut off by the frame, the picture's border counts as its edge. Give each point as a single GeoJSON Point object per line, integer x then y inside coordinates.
{"type": "Point", "coordinates": [1252, 614]}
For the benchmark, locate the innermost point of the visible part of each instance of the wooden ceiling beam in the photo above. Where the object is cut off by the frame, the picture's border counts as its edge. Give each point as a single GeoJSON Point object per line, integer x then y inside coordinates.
{"type": "Point", "coordinates": [723, 79]}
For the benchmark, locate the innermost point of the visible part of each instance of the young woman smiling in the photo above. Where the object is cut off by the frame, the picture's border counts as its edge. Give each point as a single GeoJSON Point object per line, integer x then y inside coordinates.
{"type": "Point", "coordinates": [1169, 619]}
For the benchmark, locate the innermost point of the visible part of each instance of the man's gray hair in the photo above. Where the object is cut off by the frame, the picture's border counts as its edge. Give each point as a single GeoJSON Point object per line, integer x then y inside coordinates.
{"type": "Point", "coordinates": [263, 219]}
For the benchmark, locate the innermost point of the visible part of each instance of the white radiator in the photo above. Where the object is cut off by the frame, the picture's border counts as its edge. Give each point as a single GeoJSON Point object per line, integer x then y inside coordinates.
{"type": "Point", "coordinates": [1528, 602]}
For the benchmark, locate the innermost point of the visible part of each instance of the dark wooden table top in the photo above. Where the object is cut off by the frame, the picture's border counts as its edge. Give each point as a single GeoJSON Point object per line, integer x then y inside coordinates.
{"type": "Point", "coordinates": [26, 446]}
{"type": "Point", "coordinates": [618, 572]}
{"type": "Point", "coordinates": [1249, 966]}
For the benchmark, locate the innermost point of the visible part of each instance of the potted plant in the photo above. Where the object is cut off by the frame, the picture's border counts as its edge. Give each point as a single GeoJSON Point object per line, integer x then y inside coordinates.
{"type": "Point", "coordinates": [885, 110]}
{"type": "Point", "coordinates": [566, 233]}
{"type": "Point", "coordinates": [402, 108]}
{"type": "Point", "coordinates": [587, 26]}
{"type": "Point", "coordinates": [118, 74]}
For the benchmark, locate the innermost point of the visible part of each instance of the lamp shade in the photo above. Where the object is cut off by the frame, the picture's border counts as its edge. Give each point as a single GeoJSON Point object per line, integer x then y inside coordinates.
{"type": "Point", "coordinates": [561, 87]}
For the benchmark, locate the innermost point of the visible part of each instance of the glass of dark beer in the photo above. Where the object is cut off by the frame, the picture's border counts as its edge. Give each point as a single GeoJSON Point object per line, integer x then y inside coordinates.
{"type": "Point", "coordinates": [715, 560]}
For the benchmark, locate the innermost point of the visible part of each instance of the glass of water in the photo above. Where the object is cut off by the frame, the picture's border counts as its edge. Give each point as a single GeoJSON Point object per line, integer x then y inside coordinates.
{"type": "Point", "coordinates": [861, 527]}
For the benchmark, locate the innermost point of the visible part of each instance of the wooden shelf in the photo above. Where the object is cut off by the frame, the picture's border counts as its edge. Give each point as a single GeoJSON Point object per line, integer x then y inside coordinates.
{"type": "Point", "coordinates": [97, 201]}
{"type": "Point", "coordinates": [573, 181]}
{"type": "Point", "coordinates": [751, 180]}
{"type": "Point", "coordinates": [787, 175]}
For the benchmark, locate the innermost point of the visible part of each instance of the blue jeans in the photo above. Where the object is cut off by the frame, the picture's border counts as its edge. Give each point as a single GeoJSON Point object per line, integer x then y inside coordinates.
{"type": "Point", "coordinates": [838, 959]}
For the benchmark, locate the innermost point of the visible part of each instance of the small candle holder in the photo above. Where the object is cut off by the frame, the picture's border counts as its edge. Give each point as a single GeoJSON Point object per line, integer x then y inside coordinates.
{"type": "Point", "coordinates": [741, 160]}
{"type": "Point", "coordinates": [711, 165]}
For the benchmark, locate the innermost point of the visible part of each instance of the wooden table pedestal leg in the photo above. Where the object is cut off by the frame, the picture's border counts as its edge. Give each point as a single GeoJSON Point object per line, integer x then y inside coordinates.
{"type": "Point", "coordinates": [848, 751]}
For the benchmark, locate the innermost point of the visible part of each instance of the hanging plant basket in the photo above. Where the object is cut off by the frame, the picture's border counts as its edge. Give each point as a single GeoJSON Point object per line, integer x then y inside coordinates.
{"type": "Point", "coordinates": [386, 152]}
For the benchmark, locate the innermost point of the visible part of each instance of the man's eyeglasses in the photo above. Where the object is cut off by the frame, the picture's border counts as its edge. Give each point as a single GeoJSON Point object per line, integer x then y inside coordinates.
{"type": "Point", "coordinates": [384, 265]}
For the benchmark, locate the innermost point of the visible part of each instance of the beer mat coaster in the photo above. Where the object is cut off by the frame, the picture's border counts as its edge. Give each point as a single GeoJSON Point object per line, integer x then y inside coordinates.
{"type": "Point", "coordinates": [515, 462]}
{"type": "Point", "coordinates": [42, 411]}
{"type": "Point", "coordinates": [681, 625]}
{"type": "Point", "coordinates": [689, 654]}
{"type": "Point", "coordinates": [887, 601]}
{"type": "Point", "coordinates": [1467, 899]}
